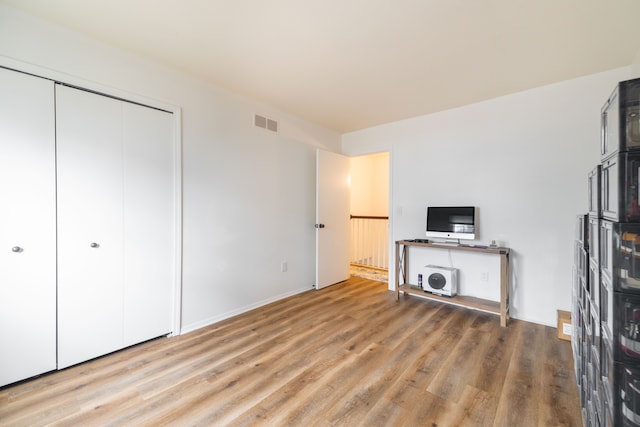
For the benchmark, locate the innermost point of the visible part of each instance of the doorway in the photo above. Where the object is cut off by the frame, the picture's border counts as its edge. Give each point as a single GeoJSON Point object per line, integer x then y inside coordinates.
{"type": "Point", "coordinates": [369, 221]}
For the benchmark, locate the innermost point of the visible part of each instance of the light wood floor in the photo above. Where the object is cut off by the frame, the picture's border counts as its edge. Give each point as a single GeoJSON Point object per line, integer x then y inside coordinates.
{"type": "Point", "coordinates": [346, 355]}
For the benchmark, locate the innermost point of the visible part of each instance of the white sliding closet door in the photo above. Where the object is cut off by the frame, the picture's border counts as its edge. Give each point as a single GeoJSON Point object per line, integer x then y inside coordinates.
{"type": "Point", "coordinates": [27, 227]}
{"type": "Point", "coordinates": [149, 223]}
{"type": "Point", "coordinates": [90, 225]}
{"type": "Point", "coordinates": [116, 224]}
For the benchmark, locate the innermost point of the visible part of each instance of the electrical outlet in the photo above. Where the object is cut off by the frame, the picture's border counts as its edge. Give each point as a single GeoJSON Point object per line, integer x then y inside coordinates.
{"type": "Point", "coordinates": [284, 267]}
{"type": "Point", "coordinates": [485, 277]}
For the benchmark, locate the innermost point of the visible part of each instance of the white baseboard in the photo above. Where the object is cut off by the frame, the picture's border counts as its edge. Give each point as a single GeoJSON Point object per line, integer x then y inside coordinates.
{"type": "Point", "coordinates": [211, 320]}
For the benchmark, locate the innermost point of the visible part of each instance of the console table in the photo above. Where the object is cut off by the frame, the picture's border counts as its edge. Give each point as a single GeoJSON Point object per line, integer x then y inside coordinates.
{"type": "Point", "coordinates": [496, 307]}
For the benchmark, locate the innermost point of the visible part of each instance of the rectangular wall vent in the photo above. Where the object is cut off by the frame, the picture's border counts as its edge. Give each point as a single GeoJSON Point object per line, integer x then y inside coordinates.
{"type": "Point", "coordinates": [265, 123]}
{"type": "Point", "coordinates": [272, 125]}
{"type": "Point", "coordinates": [260, 121]}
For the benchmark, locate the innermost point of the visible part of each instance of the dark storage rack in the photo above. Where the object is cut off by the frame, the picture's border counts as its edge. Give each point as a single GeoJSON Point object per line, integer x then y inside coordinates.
{"type": "Point", "coordinates": [606, 274]}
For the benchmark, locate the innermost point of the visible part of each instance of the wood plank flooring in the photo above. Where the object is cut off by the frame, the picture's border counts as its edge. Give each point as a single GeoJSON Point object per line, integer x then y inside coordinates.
{"type": "Point", "coordinates": [347, 355]}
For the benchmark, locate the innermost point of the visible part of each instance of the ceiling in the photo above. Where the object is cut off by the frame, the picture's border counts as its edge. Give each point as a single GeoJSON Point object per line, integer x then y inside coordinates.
{"type": "Point", "coordinates": [352, 64]}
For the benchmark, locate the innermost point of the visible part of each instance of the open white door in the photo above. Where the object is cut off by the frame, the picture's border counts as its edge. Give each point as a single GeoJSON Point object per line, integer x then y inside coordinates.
{"type": "Point", "coordinates": [332, 218]}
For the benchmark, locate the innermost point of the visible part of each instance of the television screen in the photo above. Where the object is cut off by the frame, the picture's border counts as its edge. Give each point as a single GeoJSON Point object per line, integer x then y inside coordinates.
{"type": "Point", "coordinates": [451, 222]}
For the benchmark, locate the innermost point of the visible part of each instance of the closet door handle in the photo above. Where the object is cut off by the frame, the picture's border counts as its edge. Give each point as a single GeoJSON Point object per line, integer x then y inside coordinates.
{"type": "Point", "coordinates": [94, 245]}
{"type": "Point", "coordinates": [16, 249]}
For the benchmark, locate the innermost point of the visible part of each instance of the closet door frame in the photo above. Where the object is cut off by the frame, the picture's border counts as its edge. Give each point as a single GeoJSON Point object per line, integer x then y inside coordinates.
{"type": "Point", "coordinates": [176, 111]}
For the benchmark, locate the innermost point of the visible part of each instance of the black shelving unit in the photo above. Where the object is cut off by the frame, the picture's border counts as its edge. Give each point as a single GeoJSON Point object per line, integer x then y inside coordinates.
{"type": "Point", "coordinates": [606, 280]}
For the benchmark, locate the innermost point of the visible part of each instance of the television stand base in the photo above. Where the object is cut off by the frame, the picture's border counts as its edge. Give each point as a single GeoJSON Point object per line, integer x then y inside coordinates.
{"type": "Point", "coordinates": [497, 307]}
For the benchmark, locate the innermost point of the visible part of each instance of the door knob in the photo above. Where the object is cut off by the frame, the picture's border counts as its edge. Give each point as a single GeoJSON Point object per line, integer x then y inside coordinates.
{"type": "Point", "coordinates": [16, 249]}
{"type": "Point", "coordinates": [94, 245]}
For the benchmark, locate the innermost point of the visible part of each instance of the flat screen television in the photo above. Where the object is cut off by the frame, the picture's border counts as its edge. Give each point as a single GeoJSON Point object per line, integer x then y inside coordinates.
{"type": "Point", "coordinates": [451, 222]}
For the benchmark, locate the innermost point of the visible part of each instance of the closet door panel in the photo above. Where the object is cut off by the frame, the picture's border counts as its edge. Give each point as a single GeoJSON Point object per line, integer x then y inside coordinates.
{"type": "Point", "coordinates": [90, 224]}
{"type": "Point", "coordinates": [27, 227]}
{"type": "Point", "coordinates": [149, 223]}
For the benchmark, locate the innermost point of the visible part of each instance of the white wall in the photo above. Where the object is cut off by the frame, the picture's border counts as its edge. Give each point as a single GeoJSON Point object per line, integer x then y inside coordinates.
{"type": "Point", "coordinates": [248, 195]}
{"type": "Point", "coordinates": [370, 184]}
{"type": "Point", "coordinates": [522, 160]}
